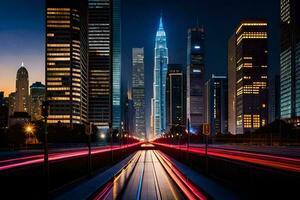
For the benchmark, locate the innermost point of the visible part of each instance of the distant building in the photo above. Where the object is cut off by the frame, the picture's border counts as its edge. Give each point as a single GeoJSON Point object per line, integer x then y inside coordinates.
{"type": "Point", "coordinates": [251, 75]}
{"type": "Point", "coordinates": [22, 93]}
{"type": "Point", "coordinates": [19, 118]}
{"type": "Point", "coordinates": [12, 103]}
{"type": "Point", "coordinates": [138, 91]}
{"type": "Point", "coordinates": [290, 61]}
{"type": "Point", "coordinates": [274, 98]}
{"type": "Point", "coordinates": [232, 84]}
{"type": "Point", "coordinates": [37, 96]}
{"type": "Point", "coordinates": [152, 132]}
{"type": "Point", "coordinates": [3, 111]}
{"type": "Point", "coordinates": [175, 96]}
{"type": "Point", "coordinates": [216, 104]}
{"type": "Point", "coordinates": [161, 60]}
{"type": "Point", "coordinates": [129, 121]}
{"type": "Point", "coordinates": [195, 77]}
{"type": "Point", "coordinates": [66, 61]}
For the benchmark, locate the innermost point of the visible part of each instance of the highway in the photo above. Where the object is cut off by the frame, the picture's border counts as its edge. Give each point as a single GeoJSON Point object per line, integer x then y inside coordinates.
{"type": "Point", "coordinates": [149, 175]}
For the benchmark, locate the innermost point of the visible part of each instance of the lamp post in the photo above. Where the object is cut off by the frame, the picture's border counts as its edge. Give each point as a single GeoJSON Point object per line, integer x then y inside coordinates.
{"type": "Point", "coordinates": [111, 141]}
{"type": "Point", "coordinates": [89, 132]}
{"type": "Point", "coordinates": [45, 112]}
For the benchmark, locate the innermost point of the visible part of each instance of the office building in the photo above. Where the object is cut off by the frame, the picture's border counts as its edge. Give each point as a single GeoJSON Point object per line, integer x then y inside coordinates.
{"type": "Point", "coordinates": [104, 61]}
{"type": "Point", "coordinates": [175, 96]}
{"type": "Point", "coordinates": [159, 82]}
{"type": "Point", "coordinates": [138, 91]}
{"type": "Point", "coordinates": [3, 111]}
{"type": "Point", "coordinates": [251, 75]}
{"type": "Point", "coordinates": [216, 104]}
{"type": "Point", "coordinates": [195, 78]}
{"type": "Point", "coordinates": [22, 93]}
{"type": "Point", "coordinates": [66, 61]}
{"type": "Point", "coordinates": [37, 96]}
{"type": "Point", "coordinates": [290, 61]}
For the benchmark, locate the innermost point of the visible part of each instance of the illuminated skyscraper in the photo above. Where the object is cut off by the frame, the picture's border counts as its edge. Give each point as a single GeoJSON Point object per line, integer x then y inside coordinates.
{"type": "Point", "coordinates": [66, 61]}
{"type": "Point", "coordinates": [216, 104]}
{"type": "Point", "coordinates": [195, 77]}
{"type": "Point", "coordinates": [22, 93]}
{"type": "Point", "coordinates": [37, 96]}
{"type": "Point", "coordinates": [138, 91]}
{"type": "Point", "coordinates": [159, 85]}
{"type": "Point", "coordinates": [251, 75]}
{"type": "Point", "coordinates": [175, 96]}
{"type": "Point", "coordinates": [104, 62]}
{"type": "Point", "coordinates": [290, 60]}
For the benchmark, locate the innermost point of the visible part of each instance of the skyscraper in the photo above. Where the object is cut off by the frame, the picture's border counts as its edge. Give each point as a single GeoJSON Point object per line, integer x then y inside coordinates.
{"type": "Point", "coordinates": [160, 72]}
{"type": "Point", "coordinates": [116, 63]}
{"type": "Point", "coordinates": [175, 96]}
{"type": "Point", "coordinates": [104, 62]}
{"type": "Point", "coordinates": [3, 111]}
{"type": "Point", "coordinates": [195, 77]}
{"type": "Point", "coordinates": [290, 60]}
{"type": "Point", "coordinates": [37, 96]}
{"type": "Point", "coordinates": [232, 84]}
{"type": "Point", "coordinates": [251, 75]}
{"type": "Point", "coordinates": [216, 104]}
{"type": "Point", "coordinates": [11, 103]}
{"type": "Point", "coordinates": [66, 61]}
{"type": "Point", "coordinates": [22, 93]}
{"type": "Point", "coordinates": [138, 91]}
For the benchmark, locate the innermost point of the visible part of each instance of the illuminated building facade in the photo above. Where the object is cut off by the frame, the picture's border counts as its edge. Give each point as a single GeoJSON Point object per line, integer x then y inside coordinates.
{"type": "Point", "coordinates": [216, 104]}
{"type": "Point", "coordinates": [138, 91]}
{"type": "Point", "coordinates": [161, 60]}
{"type": "Point", "coordinates": [195, 78]}
{"type": "Point", "coordinates": [175, 96]}
{"type": "Point", "coordinates": [11, 103]}
{"type": "Point", "coordinates": [22, 93]}
{"type": "Point", "coordinates": [232, 85]}
{"type": "Point", "coordinates": [290, 60]}
{"type": "Point", "coordinates": [37, 96]}
{"type": "Point", "coordinates": [104, 56]}
{"type": "Point", "coordinates": [251, 75]}
{"type": "Point", "coordinates": [66, 61]}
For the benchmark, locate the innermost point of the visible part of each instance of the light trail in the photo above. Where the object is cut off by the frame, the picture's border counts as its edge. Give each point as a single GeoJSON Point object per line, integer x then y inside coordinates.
{"type": "Point", "coordinates": [272, 161]}
{"type": "Point", "coordinates": [37, 159]}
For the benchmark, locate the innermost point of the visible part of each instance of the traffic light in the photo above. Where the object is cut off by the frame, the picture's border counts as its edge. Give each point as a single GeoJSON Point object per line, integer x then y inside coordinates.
{"type": "Point", "coordinates": [206, 129]}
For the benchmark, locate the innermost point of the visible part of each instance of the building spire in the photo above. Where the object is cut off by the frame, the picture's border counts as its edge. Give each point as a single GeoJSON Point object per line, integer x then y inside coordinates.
{"type": "Point", "coordinates": [160, 21]}
{"type": "Point", "coordinates": [22, 64]}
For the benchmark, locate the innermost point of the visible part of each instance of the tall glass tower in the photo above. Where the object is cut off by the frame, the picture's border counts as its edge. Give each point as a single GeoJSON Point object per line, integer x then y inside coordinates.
{"type": "Point", "coordinates": [159, 84]}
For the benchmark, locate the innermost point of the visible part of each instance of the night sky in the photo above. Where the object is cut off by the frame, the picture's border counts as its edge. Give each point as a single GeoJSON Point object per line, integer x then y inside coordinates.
{"type": "Point", "coordinates": [22, 34]}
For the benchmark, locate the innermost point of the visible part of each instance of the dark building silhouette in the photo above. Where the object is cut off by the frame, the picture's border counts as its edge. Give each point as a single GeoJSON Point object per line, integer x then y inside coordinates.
{"type": "Point", "coordinates": [195, 77]}
{"type": "Point", "coordinates": [216, 104]}
{"type": "Point", "coordinates": [274, 98]}
{"type": "Point", "coordinates": [3, 110]}
{"type": "Point", "coordinates": [175, 96]}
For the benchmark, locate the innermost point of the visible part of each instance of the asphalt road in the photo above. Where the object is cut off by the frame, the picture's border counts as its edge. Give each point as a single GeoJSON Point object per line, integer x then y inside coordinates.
{"type": "Point", "coordinates": [146, 179]}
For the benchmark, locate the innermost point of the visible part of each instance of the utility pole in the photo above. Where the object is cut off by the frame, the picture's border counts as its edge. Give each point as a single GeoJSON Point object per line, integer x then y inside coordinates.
{"type": "Point", "coordinates": [45, 113]}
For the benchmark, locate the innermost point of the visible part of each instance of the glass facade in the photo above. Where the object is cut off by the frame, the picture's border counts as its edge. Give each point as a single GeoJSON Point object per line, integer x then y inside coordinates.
{"type": "Point", "coordinates": [195, 78]}
{"type": "Point", "coordinates": [116, 63]}
{"type": "Point", "coordinates": [99, 60]}
{"type": "Point", "coordinates": [289, 59]}
{"type": "Point", "coordinates": [159, 86]}
{"type": "Point", "coordinates": [138, 91]}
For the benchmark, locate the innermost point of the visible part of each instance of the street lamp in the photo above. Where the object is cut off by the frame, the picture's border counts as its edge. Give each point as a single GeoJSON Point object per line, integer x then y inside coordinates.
{"type": "Point", "coordinates": [29, 132]}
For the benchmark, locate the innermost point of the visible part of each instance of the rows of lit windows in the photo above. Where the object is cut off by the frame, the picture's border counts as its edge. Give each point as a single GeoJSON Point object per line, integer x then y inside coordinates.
{"type": "Point", "coordinates": [58, 59]}
{"type": "Point", "coordinates": [251, 35]}
{"type": "Point", "coordinates": [59, 98]}
{"type": "Point", "coordinates": [247, 121]}
{"type": "Point", "coordinates": [256, 121]}
{"type": "Point", "coordinates": [57, 88]}
{"type": "Point", "coordinates": [55, 121]}
{"type": "Point", "coordinates": [58, 69]}
{"type": "Point", "coordinates": [58, 45]}
{"type": "Point", "coordinates": [250, 24]}
{"type": "Point", "coordinates": [58, 26]}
